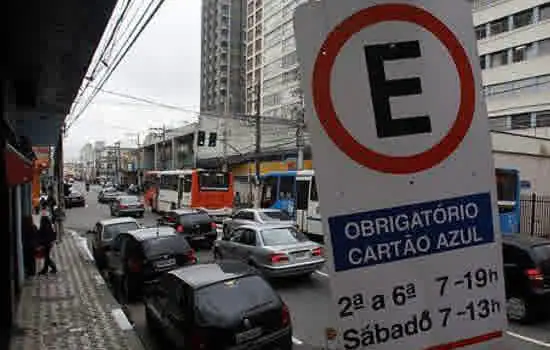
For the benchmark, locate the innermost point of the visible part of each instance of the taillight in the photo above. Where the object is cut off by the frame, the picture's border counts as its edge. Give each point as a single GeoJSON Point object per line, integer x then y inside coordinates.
{"type": "Point", "coordinates": [123, 206]}
{"type": "Point", "coordinates": [279, 258]}
{"type": "Point", "coordinates": [285, 316]}
{"type": "Point", "coordinates": [317, 251]}
{"type": "Point", "coordinates": [179, 229]}
{"type": "Point", "coordinates": [214, 226]}
{"type": "Point", "coordinates": [191, 257]}
{"type": "Point", "coordinates": [171, 219]}
{"type": "Point", "coordinates": [536, 277]}
{"type": "Point", "coordinates": [197, 341]}
{"type": "Point", "coordinates": [134, 265]}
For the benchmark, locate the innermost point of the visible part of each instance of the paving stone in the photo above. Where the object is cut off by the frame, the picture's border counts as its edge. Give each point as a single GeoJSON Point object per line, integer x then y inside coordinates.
{"type": "Point", "coordinates": [69, 310]}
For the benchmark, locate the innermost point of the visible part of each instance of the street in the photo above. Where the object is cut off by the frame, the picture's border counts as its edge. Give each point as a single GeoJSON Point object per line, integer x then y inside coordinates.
{"type": "Point", "coordinates": [307, 299]}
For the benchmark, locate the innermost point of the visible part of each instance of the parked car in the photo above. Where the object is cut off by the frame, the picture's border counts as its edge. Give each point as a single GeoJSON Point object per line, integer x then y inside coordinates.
{"type": "Point", "coordinates": [276, 250]}
{"type": "Point", "coordinates": [127, 206]}
{"type": "Point", "coordinates": [75, 199]}
{"type": "Point", "coordinates": [139, 257]}
{"type": "Point", "coordinates": [108, 194]}
{"type": "Point", "coordinates": [104, 232]}
{"type": "Point", "coordinates": [256, 216]}
{"type": "Point", "coordinates": [526, 275]}
{"type": "Point", "coordinates": [216, 307]}
{"type": "Point", "coordinates": [195, 225]}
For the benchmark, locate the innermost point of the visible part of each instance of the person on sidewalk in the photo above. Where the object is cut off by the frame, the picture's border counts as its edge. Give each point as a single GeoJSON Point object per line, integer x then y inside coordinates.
{"type": "Point", "coordinates": [30, 236]}
{"type": "Point", "coordinates": [47, 238]}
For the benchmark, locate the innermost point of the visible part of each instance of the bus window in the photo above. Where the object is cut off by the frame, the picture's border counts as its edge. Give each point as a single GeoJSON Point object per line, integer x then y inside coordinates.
{"type": "Point", "coordinates": [213, 181]}
{"type": "Point", "coordinates": [286, 187]}
{"type": "Point", "coordinates": [169, 182]}
{"type": "Point", "coordinates": [185, 183]}
{"type": "Point", "coordinates": [314, 196]}
{"type": "Point", "coordinates": [269, 192]}
{"type": "Point", "coordinates": [302, 191]}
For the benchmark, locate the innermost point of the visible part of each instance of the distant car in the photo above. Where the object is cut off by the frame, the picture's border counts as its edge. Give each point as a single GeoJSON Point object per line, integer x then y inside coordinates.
{"type": "Point", "coordinates": [108, 194]}
{"type": "Point", "coordinates": [138, 258]}
{"type": "Point", "coordinates": [256, 216]}
{"type": "Point", "coordinates": [104, 232]}
{"type": "Point", "coordinates": [195, 225]}
{"type": "Point", "coordinates": [526, 276]}
{"type": "Point", "coordinates": [218, 306]}
{"type": "Point", "coordinates": [276, 250]}
{"type": "Point", "coordinates": [127, 206]}
{"type": "Point", "coordinates": [75, 199]}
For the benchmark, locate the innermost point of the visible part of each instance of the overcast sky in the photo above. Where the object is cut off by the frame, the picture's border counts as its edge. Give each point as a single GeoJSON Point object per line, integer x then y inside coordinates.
{"type": "Point", "coordinates": [164, 65]}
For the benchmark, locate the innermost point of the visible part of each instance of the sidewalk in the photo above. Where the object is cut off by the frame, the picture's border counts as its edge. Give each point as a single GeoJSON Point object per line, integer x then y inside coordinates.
{"type": "Point", "coordinates": [72, 309]}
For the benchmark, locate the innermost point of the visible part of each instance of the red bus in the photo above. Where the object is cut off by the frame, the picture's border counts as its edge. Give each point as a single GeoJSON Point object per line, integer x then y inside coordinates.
{"type": "Point", "coordinates": [211, 191]}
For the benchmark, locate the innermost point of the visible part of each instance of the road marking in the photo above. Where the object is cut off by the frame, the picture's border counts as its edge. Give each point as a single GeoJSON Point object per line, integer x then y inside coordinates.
{"type": "Point", "coordinates": [321, 273]}
{"type": "Point", "coordinates": [121, 319]}
{"type": "Point", "coordinates": [296, 341]}
{"type": "Point", "coordinates": [527, 339]}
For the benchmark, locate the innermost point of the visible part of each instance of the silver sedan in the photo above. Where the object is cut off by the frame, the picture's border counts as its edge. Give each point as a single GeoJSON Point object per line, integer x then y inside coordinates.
{"type": "Point", "coordinates": [275, 250]}
{"type": "Point", "coordinates": [251, 216]}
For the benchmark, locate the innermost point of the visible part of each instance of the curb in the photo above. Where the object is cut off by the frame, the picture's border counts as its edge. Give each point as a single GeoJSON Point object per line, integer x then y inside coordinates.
{"type": "Point", "coordinates": [112, 307]}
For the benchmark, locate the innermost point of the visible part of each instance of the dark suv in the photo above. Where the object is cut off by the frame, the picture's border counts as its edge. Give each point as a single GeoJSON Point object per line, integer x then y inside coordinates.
{"type": "Point", "coordinates": [139, 257]}
{"type": "Point", "coordinates": [195, 225]}
{"type": "Point", "coordinates": [218, 306]}
{"type": "Point", "coordinates": [527, 276]}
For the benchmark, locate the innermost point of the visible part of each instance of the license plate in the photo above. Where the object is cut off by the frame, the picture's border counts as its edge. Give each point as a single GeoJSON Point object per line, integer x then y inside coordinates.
{"type": "Point", "coordinates": [248, 335]}
{"type": "Point", "coordinates": [300, 255]}
{"type": "Point", "coordinates": [165, 263]}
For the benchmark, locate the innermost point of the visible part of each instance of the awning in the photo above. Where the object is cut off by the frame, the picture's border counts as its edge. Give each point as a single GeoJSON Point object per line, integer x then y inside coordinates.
{"type": "Point", "coordinates": [18, 167]}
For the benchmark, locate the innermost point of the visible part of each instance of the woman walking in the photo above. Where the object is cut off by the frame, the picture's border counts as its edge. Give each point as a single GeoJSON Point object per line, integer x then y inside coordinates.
{"type": "Point", "coordinates": [47, 238]}
{"type": "Point", "coordinates": [30, 235]}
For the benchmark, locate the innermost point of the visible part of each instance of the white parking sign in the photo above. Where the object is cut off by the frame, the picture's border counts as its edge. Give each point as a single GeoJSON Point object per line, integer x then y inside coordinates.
{"type": "Point", "coordinates": [403, 161]}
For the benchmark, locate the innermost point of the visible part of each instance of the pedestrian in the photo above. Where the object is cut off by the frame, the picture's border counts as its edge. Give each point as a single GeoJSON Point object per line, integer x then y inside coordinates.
{"type": "Point", "coordinates": [30, 236]}
{"type": "Point", "coordinates": [46, 238]}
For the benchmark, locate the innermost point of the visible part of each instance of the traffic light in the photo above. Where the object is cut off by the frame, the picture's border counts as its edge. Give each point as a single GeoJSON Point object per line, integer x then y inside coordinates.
{"type": "Point", "coordinates": [212, 139]}
{"type": "Point", "coordinates": [201, 138]}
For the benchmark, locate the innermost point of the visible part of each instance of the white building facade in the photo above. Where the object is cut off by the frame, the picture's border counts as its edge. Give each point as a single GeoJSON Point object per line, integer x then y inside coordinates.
{"type": "Point", "coordinates": [514, 48]}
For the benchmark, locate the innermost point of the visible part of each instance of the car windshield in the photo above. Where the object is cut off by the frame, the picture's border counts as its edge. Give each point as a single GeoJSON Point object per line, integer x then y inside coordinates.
{"type": "Point", "coordinates": [273, 215]}
{"type": "Point", "coordinates": [281, 236]}
{"type": "Point", "coordinates": [111, 231]}
{"type": "Point", "coordinates": [129, 200]}
{"type": "Point", "coordinates": [176, 244]}
{"type": "Point", "coordinates": [110, 189]}
{"type": "Point", "coordinates": [229, 299]}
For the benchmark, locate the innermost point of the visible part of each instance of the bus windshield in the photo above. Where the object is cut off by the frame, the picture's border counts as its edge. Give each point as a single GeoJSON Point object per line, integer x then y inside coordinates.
{"type": "Point", "coordinates": [213, 181]}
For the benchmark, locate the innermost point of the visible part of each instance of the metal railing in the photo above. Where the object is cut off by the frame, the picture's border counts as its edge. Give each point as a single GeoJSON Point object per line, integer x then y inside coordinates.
{"type": "Point", "coordinates": [535, 215]}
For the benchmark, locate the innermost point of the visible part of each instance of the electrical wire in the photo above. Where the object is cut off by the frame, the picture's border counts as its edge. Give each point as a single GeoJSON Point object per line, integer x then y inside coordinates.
{"type": "Point", "coordinates": [118, 60]}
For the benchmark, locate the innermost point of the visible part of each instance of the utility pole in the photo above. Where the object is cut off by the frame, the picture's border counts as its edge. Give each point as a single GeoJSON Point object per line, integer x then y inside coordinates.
{"type": "Point", "coordinates": [117, 162]}
{"type": "Point", "coordinates": [60, 186]}
{"type": "Point", "coordinates": [225, 119]}
{"type": "Point", "coordinates": [258, 142]}
{"type": "Point", "coordinates": [300, 142]}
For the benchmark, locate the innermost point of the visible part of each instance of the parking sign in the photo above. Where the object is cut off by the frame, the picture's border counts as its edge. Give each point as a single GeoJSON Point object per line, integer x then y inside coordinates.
{"type": "Point", "coordinates": [400, 134]}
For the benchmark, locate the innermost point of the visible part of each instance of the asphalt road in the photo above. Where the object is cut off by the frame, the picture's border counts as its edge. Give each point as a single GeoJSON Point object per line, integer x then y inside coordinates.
{"type": "Point", "coordinates": [307, 299]}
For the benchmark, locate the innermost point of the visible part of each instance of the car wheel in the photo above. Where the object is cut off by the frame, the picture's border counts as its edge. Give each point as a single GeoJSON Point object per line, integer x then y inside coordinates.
{"type": "Point", "coordinates": [517, 309]}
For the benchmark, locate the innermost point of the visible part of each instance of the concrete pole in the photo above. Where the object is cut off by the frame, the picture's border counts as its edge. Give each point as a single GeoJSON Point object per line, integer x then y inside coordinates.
{"type": "Point", "coordinates": [19, 235]}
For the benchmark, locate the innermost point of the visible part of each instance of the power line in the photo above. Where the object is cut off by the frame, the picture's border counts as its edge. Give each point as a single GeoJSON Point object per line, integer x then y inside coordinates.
{"type": "Point", "coordinates": [118, 60]}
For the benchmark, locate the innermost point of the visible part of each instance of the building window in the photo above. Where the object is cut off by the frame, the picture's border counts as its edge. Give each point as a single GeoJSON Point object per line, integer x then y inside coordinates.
{"type": "Point", "coordinates": [544, 12]}
{"type": "Point", "coordinates": [521, 53]}
{"type": "Point", "coordinates": [258, 60]}
{"type": "Point", "coordinates": [544, 47]}
{"type": "Point", "coordinates": [482, 62]}
{"type": "Point", "coordinates": [521, 121]}
{"type": "Point", "coordinates": [250, 22]}
{"type": "Point", "coordinates": [497, 124]}
{"type": "Point", "coordinates": [523, 18]}
{"type": "Point", "coordinates": [258, 45]}
{"type": "Point", "coordinates": [543, 119]}
{"type": "Point", "coordinates": [250, 50]}
{"type": "Point", "coordinates": [499, 58]}
{"type": "Point", "coordinates": [499, 26]}
{"type": "Point", "coordinates": [249, 64]}
{"type": "Point", "coordinates": [481, 32]}
{"type": "Point", "coordinates": [271, 100]}
{"type": "Point", "coordinates": [289, 60]}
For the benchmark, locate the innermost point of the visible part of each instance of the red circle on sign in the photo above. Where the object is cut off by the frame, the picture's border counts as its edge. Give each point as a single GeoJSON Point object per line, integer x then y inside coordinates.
{"type": "Point", "coordinates": [328, 117]}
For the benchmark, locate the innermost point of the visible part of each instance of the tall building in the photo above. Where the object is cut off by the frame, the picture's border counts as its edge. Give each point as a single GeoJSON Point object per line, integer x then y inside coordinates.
{"type": "Point", "coordinates": [222, 56]}
{"type": "Point", "coordinates": [276, 63]}
{"type": "Point", "coordinates": [514, 47]}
